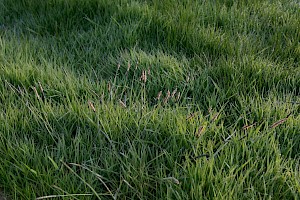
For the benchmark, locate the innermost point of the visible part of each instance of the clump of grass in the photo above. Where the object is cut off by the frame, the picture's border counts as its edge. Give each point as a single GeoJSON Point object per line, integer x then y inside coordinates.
{"type": "Point", "coordinates": [149, 99]}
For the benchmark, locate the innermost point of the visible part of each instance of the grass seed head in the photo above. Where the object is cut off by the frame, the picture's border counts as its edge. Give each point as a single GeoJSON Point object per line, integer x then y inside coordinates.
{"type": "Point", "coordinates": [166, 99]}
{"type": "Point", "coordinates": [200, 131]}
{"type": "Point", "coordinates": [188, 78]}
{"type": "Point", "coordinates": [178, 96]}
{"type": "Point", "coordinates": [215, 117]}
{"type": "Point", "coordinates": [246, 127]}
{"type": "Point", "coordinates": [108, 86]}
{"type": "Point", "coordinates": [173, 93]}
{"type": "Point", "coordinates": [92, 106]}
{"type": "Point", "coordinates": [278, 123]}
{"type": "Point", "coordinates": [159, 95]}
{"type": "Point", "coordinates": [41, 88]}
{"type": "Point", "coordinates": [122, 103]}
{"type": "Point", "coordinates": [128, 66]}
{"type": "Point", "coordinates": [136, 65]}
{"type": "Point", "coordinates": [190, 116]}
{"type": "Point", "coordinates": [144, 76]}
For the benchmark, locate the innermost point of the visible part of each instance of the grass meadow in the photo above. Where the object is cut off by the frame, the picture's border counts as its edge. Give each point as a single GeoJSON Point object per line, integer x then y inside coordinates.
{"type": "Point", "coordinates": [150, 99]}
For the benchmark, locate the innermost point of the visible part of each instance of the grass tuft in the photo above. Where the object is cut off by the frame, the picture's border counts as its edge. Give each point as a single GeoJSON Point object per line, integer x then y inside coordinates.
{"type": "Point", "coordinates": [149, 99]}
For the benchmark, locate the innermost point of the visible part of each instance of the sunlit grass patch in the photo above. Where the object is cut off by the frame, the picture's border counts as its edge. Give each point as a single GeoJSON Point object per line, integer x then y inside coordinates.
{"type": "Point", "coordinates": [149, 99]}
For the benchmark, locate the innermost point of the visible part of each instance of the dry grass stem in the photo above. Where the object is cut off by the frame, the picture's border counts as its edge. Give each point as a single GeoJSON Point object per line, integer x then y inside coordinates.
{"type": "Point", "coordinates": [63, 195]}
{"type": "Point", "coordinates": [20, 90]}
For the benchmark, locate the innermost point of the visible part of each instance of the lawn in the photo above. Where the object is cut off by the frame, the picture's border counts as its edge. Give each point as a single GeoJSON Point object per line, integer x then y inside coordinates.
{"type": "Point", "coordinates": [150, 99]}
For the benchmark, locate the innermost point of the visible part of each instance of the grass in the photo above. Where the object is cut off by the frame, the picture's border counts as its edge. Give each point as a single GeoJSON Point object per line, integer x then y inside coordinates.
{"type": "Point", "coordinates": [80, 116]}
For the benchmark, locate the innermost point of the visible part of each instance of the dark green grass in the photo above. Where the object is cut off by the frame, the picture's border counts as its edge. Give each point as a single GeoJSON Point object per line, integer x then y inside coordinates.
{"type": "Point", "coordinates": [235, 63]}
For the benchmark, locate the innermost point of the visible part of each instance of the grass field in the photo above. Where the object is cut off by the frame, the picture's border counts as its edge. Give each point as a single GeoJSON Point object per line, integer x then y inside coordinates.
{"type": "Point", "coordinates": [150, 99]}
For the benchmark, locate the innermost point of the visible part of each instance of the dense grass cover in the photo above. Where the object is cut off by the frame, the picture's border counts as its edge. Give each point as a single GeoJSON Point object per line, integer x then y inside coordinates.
{"type": "Point", "coordinates": [150, 99]}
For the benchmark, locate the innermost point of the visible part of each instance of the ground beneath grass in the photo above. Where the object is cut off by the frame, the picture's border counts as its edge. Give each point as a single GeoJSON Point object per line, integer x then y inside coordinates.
{"type": "Point", "coordinates": [2, 196]}
{"type": "Point", "coordinates": [147, 99]}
